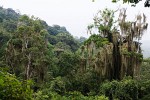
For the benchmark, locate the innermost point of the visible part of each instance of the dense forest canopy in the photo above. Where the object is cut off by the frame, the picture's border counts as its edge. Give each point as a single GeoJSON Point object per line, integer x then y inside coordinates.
{"type": "Point", "coordinates": [42, 62]}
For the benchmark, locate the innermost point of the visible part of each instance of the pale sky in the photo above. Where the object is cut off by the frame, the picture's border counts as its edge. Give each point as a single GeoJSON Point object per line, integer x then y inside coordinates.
{"type": "Point", "coordinates": [75, 15]}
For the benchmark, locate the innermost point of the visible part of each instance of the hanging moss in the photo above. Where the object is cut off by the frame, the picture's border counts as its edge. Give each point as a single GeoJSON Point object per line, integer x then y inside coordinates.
{"type": "Point", "coordinates": [113, 53]}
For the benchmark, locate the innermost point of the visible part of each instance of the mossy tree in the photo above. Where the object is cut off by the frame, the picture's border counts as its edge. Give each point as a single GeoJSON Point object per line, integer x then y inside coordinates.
{"type": "Point", "coordinates": [114, 53]}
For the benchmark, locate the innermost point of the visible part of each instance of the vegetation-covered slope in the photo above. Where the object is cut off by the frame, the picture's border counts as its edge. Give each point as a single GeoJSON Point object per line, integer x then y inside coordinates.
{"type": "Point", "coordinates": [42, 62]}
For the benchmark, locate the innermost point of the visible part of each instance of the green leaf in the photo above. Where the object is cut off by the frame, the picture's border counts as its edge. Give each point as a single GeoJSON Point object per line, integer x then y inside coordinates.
{"type": "Point", "coordinates": [1, 82]}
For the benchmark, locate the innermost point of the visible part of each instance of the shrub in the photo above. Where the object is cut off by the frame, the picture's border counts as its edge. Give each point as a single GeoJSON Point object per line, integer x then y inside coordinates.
{"type": "Point", "coordinates": [13, 89]}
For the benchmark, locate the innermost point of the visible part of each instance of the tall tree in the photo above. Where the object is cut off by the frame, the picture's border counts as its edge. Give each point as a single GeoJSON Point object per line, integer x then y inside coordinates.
{"type": "Point", "coordinates": [27, 50]}
{"type": "Point", "coordinates": [113, 53]}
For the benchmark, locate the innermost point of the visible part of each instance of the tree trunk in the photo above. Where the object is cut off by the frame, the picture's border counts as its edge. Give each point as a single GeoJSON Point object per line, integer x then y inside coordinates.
{"type": "Point", "coordinates": [28, 67]}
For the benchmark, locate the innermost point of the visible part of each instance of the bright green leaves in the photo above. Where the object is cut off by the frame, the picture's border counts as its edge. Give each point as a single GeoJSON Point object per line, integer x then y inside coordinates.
{"type": "Point", "coordinates": [58, 85]}
{"type": "Point", "coordinates": [1, 81]}
{"type": "Point", "coordinates": [127, 89]}
{"type": "Point", "coordinates": [97, 39]}
{"type": "Point", "coordinates": [12, 89]}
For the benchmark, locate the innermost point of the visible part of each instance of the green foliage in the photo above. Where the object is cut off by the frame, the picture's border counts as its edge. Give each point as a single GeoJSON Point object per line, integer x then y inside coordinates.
{"type": "Point", "coordinates": [133, 54]}
{"type": "Point", "coordinates": [145, 87]}
{"type": "Point", "coordinates": [145, 79]}
{"type": "Point", "coordinates": [78, 96]}
{"type": "Point", "coordinates": [56, 29]}
{"type": "Point", "coordinates": [40, 96]}
{"type": "Point", "coordinates": [13, 89]}
{"type": "Point", "coordinates": [27, 51]}
{"type": "Point", "coordinates": [46, 54]}
{"type": "Point", "coordinates": [68, 63]}
{"type": "Point", "coordinates": [97, 39]}
{"type": "Point", "coordinates": [8, 14]}
{"type": "Point", "coordinates": [8, 19]}
{"type": "Point", "coordinates": [127, 89]}
{"type": "Point", "coordinates": [145, 70]}
{"type": "Point", "coordinates": [68, 39]}
{"type": "Point", "coordinates": [68, 96]}
{"type": "Point", "coordinates": [62, 46]}
{"type": "Point", "coordinates": [104, 20]}
{"type": "Point", "coordinates": [88, 83]}
{"type": "Point", "coordinates": [81, 39]}
{"type": "Point", "coordinates": [58, 85]}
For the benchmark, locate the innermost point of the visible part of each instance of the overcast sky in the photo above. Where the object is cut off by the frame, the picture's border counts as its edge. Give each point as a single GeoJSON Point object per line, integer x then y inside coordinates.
{"type": "Point", "coordinates": [75, 15]}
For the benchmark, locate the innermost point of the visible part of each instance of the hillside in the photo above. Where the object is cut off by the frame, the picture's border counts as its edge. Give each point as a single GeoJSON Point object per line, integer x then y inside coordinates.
{"type": "Point", "coordinates": [58, 36]}
{"type": "Point", "coordinates": [42, 62]}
